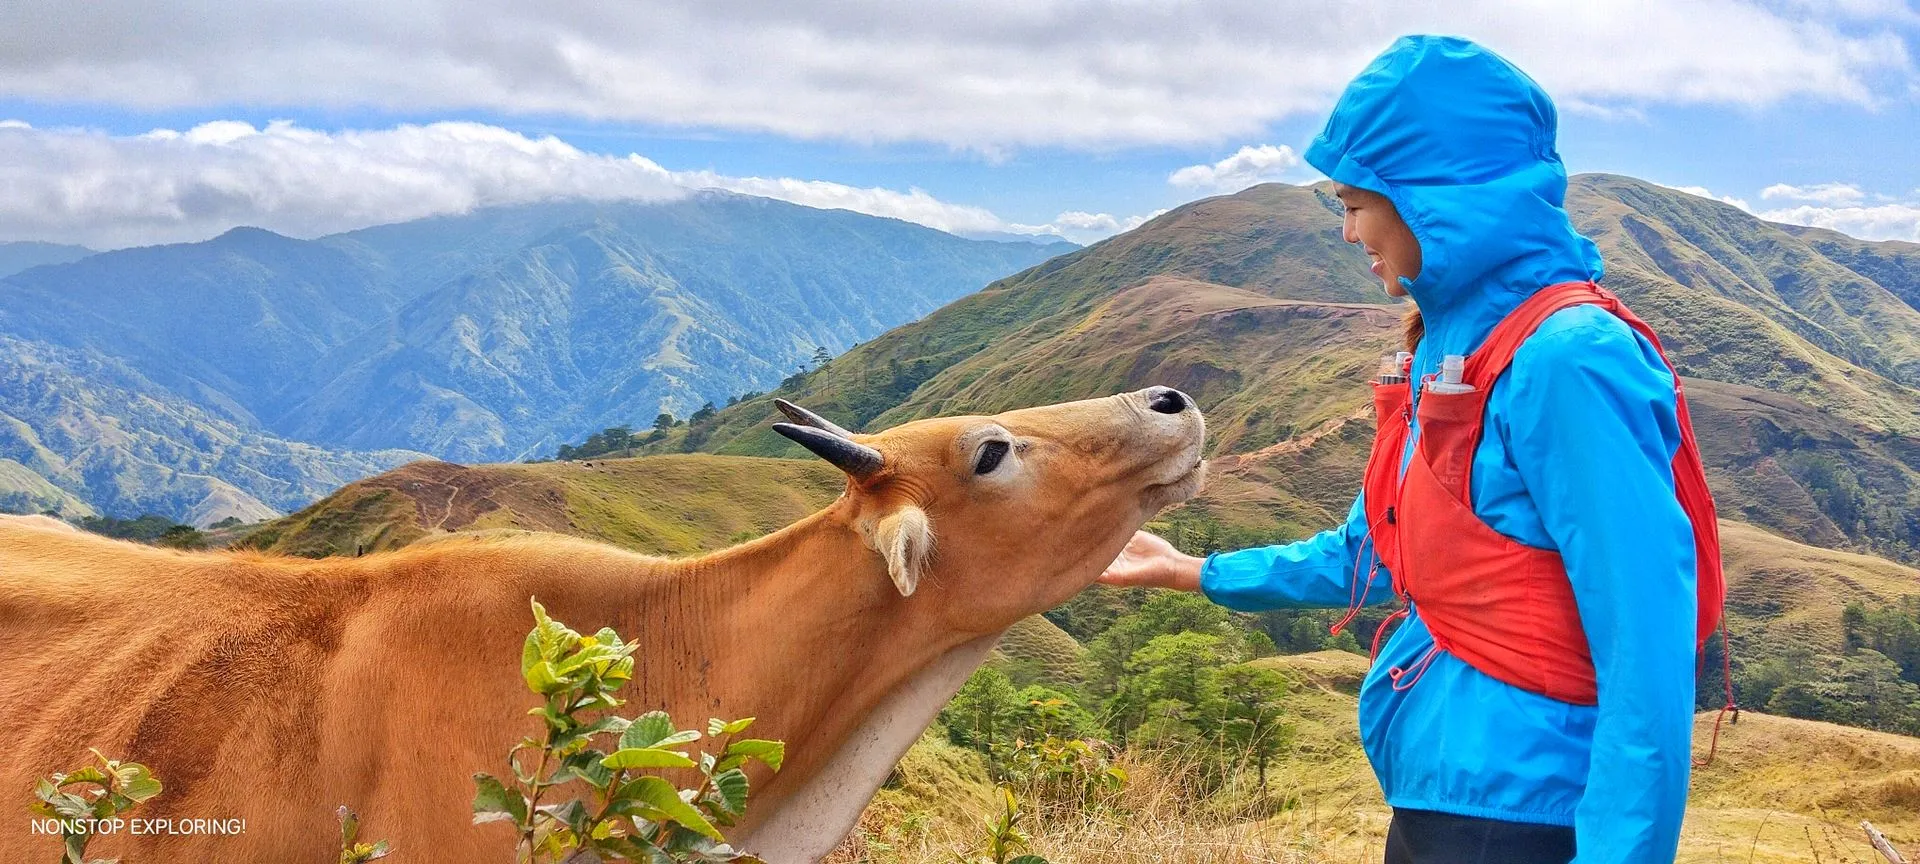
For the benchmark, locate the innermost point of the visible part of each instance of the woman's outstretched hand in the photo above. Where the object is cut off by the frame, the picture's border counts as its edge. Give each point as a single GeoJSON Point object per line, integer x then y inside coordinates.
{"type": "Point", "coordinates": [1150, 562]}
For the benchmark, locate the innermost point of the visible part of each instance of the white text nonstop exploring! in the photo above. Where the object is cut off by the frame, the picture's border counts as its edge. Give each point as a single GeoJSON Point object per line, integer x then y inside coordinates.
{"type": "Point", "coordinates": [56, 827]}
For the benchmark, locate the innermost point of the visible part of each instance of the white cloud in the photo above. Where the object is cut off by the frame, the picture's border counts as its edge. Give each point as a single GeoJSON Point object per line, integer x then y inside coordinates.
{"type": "Point", "coordinates": [1843, 207]}
{"type": "Point", "coordinates": [85, 186]}
{"type": "Point", "coordinates": [1823, 193]}
{"type": "Point", "coordinates": [985, 75]}
{"type": "Point", "coordinates": [1877, 222]}
{"type": "Point", "coordinates": [1083, 227]}
{"type": "Point", "coordinates": [166, 185]}
{"type": "Point", "coordinates": [1836, 206]}
{"type": "Point", "coordinates": [1246, 167]}
{"type": "Point", "coordinates": [1704, 192]}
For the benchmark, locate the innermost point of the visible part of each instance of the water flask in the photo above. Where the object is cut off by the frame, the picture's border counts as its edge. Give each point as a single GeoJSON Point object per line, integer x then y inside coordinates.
{"type": "Point", "coordinates": [1392, 371]}
{"type": "Point", "coordinates": [1452, 369]}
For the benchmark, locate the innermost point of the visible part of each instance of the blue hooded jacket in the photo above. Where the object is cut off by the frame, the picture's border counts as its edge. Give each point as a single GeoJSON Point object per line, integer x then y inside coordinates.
{"type": "Point", "coordinates": [1579, 438]}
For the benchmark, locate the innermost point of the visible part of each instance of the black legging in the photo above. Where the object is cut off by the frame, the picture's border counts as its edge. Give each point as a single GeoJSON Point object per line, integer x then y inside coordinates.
{"type": "Point", "coordinates": [1426, 837]}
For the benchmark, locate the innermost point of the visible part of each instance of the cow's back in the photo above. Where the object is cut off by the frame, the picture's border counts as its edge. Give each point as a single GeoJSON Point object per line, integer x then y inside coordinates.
{"type": "Point", "coordinates": [202, 665]}
{"type": "Point", "coordinates": [273, 689]}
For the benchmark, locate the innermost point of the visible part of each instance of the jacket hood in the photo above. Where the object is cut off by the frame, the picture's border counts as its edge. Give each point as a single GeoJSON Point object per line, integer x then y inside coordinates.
{"type": "Point", "coordinates": [1462, 143]}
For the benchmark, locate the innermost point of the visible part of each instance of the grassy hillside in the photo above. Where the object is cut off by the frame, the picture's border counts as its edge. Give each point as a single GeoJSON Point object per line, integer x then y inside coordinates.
{"type": "Point", "coordinates": [665, 505]}
{"type": "Point", "coordinates": [1797, 342]}
{"type": "Point", "coordinates": [1780, 788]}
{"type": "Point", "coordinates": [1248, 302]}
{"type": "Point", "coordinates": [1719, 250]}
{"type": "Point", "coordinates": [23, 491]}
{"type": "Point", "coordinates": [1270, 241]}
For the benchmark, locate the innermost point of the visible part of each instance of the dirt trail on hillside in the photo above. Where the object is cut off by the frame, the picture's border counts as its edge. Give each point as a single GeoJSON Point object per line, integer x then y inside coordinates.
{"type": "Point", "coordinates": [448, 496]}
{"type": "Point", "coordinates": [1240, 462]}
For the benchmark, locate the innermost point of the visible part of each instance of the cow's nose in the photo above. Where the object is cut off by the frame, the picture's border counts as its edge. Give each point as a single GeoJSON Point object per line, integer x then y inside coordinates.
{"type": "Point", "coordinates": [1166, 400]}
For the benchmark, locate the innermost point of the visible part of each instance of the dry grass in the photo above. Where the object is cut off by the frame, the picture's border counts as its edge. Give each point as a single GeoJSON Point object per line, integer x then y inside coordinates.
{"type": "Point", "coordinates": [1781, 790]}
{"type": "Point", "coordinates": [1158, 818]}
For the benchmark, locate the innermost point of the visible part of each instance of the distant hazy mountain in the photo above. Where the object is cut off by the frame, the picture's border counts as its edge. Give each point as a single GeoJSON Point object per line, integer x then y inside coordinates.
{"type": "Point", "coordinates": [20, 255]}
{"type": "Point", "coordinates": [616, 313]}
{"type": "Point", "coordinates": [99, 437]}
{"type": "Point", "coordinates": [494, 335]}
{"type": "Point", "coordinates": [1011, 237]}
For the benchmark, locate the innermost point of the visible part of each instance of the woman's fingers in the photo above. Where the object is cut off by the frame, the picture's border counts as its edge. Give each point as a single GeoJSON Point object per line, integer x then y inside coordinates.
{"type": "Point", "coordinates": [1142, 563]}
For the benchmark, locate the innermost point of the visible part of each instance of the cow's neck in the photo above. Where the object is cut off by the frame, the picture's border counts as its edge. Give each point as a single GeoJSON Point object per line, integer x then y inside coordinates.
{"type": "Point", "coordinates": [805, 631]}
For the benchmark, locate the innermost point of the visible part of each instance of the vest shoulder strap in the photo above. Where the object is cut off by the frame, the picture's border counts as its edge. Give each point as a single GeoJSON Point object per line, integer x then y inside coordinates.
{"type": "Point", "coordinates": [1496, 353]}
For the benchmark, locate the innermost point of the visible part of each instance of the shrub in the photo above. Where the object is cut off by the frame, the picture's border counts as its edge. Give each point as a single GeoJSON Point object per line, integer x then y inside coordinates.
{"type": "Point", "coordinates": [630, 815]}
{"type": "Point", "coordinates": [79, 800]}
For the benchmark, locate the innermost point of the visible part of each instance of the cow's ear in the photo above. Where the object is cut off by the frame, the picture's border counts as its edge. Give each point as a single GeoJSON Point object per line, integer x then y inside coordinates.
{"type": "Point", "coordinates": [905, 539]}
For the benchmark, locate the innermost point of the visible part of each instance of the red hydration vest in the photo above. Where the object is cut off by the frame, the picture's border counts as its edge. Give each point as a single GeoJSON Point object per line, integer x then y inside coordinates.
{"type": "Point", "coordinates": [1505, 608]}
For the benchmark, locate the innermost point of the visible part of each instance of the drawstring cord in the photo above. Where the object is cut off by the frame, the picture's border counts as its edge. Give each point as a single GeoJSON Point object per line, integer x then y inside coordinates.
{"type": "Point", "coordinates": [1726, 680]}
{"type": "Point", "coordinates": [1419, 668]}
{"type": "Point", "coordinates": [1357, 591]}
{"type": "Point", "coordinates": [1373, 651]}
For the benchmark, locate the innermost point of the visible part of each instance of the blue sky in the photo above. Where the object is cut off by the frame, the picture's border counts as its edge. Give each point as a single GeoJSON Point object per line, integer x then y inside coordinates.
{"type": "Point", "coordinates": [1078, 118]}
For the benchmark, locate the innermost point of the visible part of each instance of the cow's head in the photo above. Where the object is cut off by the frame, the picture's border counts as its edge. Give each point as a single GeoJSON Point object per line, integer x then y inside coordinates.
{"type": "Point", "coordinates": [988, 519]}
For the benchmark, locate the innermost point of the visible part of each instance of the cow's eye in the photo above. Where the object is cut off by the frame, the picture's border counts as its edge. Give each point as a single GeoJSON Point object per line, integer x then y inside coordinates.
{"type": "Point", "coordinates": [990, 455]}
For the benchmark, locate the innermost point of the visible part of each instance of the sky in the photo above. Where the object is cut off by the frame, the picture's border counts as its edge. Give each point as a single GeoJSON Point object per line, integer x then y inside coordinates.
{"type": "Point", "coordinates": [131, 122]}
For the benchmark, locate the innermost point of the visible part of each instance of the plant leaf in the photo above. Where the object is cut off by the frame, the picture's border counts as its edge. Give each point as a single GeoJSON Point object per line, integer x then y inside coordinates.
{"type": "Point", "coordinates": [647, 730]}
{"type": "Point", "coordinates": [731, 791]}
{"type": "Point", "coordinates": [493, 802]}
{"type": "Point", "coordinates": [543, 679]}
{"type": "Point", "coordinates": [657, 793]}
{"type": "Point", "coordinates": [646, 757]}
{"type": "Point", "coordinates": [349, 825]}
{"type": "Point", "coordinates": [773, 753]}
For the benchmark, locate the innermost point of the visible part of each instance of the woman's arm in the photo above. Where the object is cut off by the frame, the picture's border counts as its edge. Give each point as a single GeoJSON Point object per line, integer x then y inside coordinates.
{"type": "Point", "coordinates": [1333, 568]}
{"type": "Point", "coordinates": [1317, 571]}
{"type": "Point", "coordinates": [1592, 430]}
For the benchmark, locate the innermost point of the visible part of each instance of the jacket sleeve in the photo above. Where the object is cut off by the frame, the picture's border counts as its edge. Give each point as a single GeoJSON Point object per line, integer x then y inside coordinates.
{"type": "Point", "coordinates": [1592, 431]}
{"type": "Point", "coordinates": [1322, 570]}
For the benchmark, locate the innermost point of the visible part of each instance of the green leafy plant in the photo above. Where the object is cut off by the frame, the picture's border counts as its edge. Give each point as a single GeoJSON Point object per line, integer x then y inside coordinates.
{"type": "Point", "coordinates": [351, 850]}
{"type": "Point", "coordinates": [629, 814]}
{"type": "Point", "coordinates": [1071, 771]}
{"type": "Point", "coordinates": [1004, 836]}
{"type": "Point", "coordinates": [80, 800]}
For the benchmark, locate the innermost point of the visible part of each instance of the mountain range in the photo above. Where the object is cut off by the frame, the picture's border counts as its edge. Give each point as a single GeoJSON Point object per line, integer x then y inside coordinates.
{"type": "Point", "coordinates": [249, 374]}
{"type": "Point", "coordinates": [1800, 347]}
{"type": "Point", "coordinates": [1796, 348]}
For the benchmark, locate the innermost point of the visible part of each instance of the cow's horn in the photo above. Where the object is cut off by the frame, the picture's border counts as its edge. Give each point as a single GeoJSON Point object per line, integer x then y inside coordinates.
{"type": "Point", "coordinates": [807, 418]}
{"type": "Point", "coordinates": [855, 458]}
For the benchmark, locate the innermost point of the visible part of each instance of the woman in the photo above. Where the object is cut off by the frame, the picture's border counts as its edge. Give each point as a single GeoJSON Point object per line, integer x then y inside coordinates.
{"type": "Point", "coordinates": [1443, 154]}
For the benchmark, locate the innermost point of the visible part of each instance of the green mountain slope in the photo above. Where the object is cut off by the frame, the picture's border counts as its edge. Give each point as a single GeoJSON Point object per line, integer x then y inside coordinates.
{"type": "Point", "coordinates": [663, 505]}
{"type": "Point", "coordinates": [22, 490]}
{"type": "Point", "coordinates": [1270, 241]}
{"type": "Point", "coordinates": [1778, 788]}
{"type": "Point", "coordinates": [1799, 439]}
{"type": "Point", "coordinates": [1718, 250]}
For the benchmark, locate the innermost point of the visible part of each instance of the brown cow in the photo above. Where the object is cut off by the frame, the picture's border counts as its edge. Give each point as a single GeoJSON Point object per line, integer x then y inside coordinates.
{"type": "Point", "coordinates": [273, 689]}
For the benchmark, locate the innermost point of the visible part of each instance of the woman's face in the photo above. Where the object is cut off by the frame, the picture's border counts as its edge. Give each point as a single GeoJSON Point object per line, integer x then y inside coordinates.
{"type": "Point", "coordinates": [1372, 222]}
